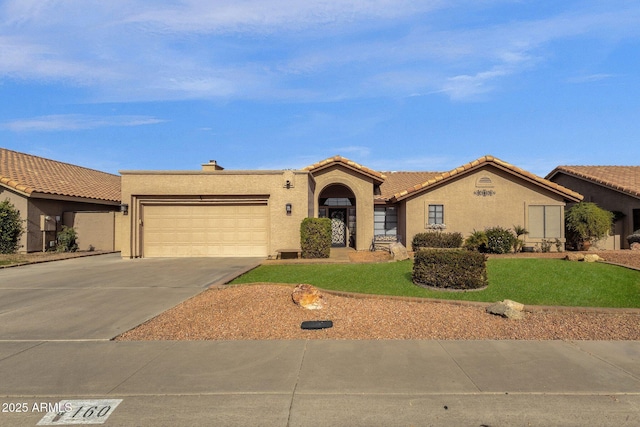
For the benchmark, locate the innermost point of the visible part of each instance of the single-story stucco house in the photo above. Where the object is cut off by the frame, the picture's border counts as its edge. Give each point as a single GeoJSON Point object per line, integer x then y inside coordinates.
{"type": "Point", "coordinates": [614, 188]}
{"type": "Point", "coordinates": [50, 194]}
{"type": "Point", "coordinates": [218, 212]}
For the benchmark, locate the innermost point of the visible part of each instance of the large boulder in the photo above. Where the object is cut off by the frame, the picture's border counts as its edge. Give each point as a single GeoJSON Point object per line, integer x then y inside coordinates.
{"type": "Point", "coordinates": [508, 309]}
{"type": "Point", "coordinates": [398, 251]}
{"type": "Point", "coordinates": [635, 246]}
{"type": "Point", "coordinates": [592, 258]}
{"type": "Point", "coordinates": [574, 256]}
{"type": "Point", "coordinates": [307, 296]}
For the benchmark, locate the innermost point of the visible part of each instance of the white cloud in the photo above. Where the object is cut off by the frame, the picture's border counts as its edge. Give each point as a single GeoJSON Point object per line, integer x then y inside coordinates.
{"type": "Point", "coordinates": [262, 16]}
{"type": "Point", "coordinates": [70, 122]}
{"type": "Point", "coordinates": [277, 49]}
{"type": "Point", "coordinates": [590, 78]}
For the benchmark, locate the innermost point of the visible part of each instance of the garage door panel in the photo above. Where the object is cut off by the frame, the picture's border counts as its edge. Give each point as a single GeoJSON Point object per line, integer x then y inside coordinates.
{"type": "Point", "coordinates": [205, 230]}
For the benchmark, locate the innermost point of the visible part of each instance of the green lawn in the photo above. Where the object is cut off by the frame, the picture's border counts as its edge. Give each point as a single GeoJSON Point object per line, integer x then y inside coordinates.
{"type": "Point", "coordinates": [529, 281]}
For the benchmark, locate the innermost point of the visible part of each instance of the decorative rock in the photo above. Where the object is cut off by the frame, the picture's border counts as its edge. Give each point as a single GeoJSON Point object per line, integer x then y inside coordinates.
{"type": "Point", "coordinates": [307, 296]}
{"type": "Point", "coordinates": [508, 309]}
{"type": "Point", "coordinates": [635, 246]}
{"type": "Point", "coordinates": [572, 256]}
{"type": "Point", "coordinates": [514, 305]}
{"type": "Point", "coordinates": [398, 251]}
{"type": "Point", "coordinates": [592, 258]}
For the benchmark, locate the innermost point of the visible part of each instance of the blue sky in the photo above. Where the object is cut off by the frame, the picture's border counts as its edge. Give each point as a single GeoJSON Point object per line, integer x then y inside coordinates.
{"type": "Point", "coordinates": [273, 84]}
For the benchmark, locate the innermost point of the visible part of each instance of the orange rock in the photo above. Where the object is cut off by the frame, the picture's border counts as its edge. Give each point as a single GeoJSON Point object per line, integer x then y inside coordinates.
{"type": "Point", "coordinates": [308, 297]}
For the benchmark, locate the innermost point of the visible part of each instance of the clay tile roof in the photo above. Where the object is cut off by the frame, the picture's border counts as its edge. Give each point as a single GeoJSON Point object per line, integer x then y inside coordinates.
{"type": "Point", "coordinates": [399, 181]}
{"type": "Point", "coordinates": [346, 162]}
{"type": "Point", "coordinates": [572, 195]}
{"type": "Point", "coordinates": [622, 178]}
{"type": "Point", "coordinates": [31, 174]}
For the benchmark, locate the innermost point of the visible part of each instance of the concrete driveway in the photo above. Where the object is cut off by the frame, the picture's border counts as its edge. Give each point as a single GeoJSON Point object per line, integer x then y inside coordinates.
{"type": "Point", "coordinates": [100, 297]}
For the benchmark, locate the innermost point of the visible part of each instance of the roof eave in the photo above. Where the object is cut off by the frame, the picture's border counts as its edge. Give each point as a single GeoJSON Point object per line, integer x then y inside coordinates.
{"type": "Point", "coordinates": [67, 198]}
{"type": "Point", "coordinates": [568, 195]}
{"type": "Point", "coordinates": [626, 191]}
{"type": "Point", "coordinates": [376, 179]}
{"type": "Point", "coordinates": [16, 186]}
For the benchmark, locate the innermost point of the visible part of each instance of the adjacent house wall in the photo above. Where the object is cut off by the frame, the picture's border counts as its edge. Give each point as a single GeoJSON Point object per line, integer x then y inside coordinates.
{"type": "Point", "coordinates": [487, 197]}
{"type": "Point", "coordinates": [31, 211]}
{"type": "Point", "coordinates": [55, 210]}
{"type": "Point", "coordinates": [606, 198]}
{"type": "Point", "coordinates": [95, 230]}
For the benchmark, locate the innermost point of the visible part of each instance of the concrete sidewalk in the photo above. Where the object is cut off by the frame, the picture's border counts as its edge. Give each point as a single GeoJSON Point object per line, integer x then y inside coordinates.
{"type": "Point", "coordinates": [331, 383]}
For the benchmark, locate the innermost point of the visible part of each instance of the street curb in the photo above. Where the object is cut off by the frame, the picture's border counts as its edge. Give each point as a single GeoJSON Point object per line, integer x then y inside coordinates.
{"type": "Point", "coordinates": [43, 261]}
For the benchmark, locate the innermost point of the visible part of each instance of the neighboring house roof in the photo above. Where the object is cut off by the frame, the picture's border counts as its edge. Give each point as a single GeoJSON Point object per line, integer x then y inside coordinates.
{"type": "Point", "coordinates": [482, 161]}
{"type": "Point", "coordinates": [34, 176]}
{"type": "Point", "coordinates": [625, 179]}
{"type": "Point", "coordinates": [339, 160]}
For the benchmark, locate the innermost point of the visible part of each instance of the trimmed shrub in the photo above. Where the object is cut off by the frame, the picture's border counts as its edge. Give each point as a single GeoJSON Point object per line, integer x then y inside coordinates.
{"type": "Point", "coordinates": [461, 269]}
{"type": "Point", "coordinates": [315, 237]}
{"type": "Point", "coordinates": [10, 228]}
{"type": "Point", "coordinates": [500, 240]}
{"type": "Point", "coordinates": [477, 241]}
{"type": "Point", "coordinates": [634, 238]}
{"type": "Point", "coordinates": [67, 240]}
{"type": "Point", "coordinates": [436, 239]}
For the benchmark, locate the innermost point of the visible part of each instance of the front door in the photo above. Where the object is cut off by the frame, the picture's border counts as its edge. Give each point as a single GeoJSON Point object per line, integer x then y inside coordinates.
{"type": "Point", "coordinates": [338, 227]}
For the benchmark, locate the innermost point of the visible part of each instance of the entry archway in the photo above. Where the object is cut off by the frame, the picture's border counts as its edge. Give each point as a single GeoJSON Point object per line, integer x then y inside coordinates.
{"type": "Point", "coordinates": [338, 202]}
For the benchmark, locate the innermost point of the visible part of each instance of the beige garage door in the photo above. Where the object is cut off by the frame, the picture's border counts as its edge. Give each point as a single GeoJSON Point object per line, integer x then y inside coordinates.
{"type": "Point", "coordinates": [205, 231]}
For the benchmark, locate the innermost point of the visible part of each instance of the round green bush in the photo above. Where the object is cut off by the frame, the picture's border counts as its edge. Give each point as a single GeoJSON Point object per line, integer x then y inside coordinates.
{"type": "Point", "coordinates": [499, 240]}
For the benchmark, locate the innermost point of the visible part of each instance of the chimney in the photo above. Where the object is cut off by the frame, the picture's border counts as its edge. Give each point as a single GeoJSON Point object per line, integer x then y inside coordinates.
{"type": "Point", "coordinates": [211, 166]}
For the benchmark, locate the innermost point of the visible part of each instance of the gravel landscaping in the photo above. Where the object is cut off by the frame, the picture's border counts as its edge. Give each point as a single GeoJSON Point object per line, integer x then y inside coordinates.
{"type": "Point", "coordinates": [266, 311]}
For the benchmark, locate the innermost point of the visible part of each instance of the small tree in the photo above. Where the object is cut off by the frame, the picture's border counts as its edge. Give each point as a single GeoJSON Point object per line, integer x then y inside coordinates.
{"type": "Point", "coordinates": [315, 237]}
{"type": "Point", "coordinates": [10, 228]}
{"type": "Point", "coordinates": [587, 222]}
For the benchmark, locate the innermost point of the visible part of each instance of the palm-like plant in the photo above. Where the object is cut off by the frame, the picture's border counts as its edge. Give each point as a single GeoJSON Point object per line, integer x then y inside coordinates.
{"type": "Point", "coordinates": [520, 231]}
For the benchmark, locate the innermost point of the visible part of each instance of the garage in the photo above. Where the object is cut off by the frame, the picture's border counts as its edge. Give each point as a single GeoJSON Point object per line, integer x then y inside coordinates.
{"type": "Point", "coordinates": [213, 230]}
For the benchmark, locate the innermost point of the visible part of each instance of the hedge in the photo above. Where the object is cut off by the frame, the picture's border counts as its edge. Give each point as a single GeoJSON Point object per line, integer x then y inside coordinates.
{"type": "Point", "coordinates": [315, 237]}
{"type": "Point", "coordinates": [436, 239]}
{"type": "Point", "coordinates": [459, 269]}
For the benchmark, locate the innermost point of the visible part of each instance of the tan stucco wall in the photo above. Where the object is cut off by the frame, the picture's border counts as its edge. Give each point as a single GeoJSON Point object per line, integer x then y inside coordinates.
{"type": "Point", "coordinates": [94, 229]}
{"type": "Point", "coordinates": [362, 188]}
{"type": "Point", "coordinates": [465, 212]}
{"type": "Point", "coordinates": [608, 199]}
{"type": "Point", "coordinates": [56, 209]}
{"type": "Point", "coordinates": [140, 187]}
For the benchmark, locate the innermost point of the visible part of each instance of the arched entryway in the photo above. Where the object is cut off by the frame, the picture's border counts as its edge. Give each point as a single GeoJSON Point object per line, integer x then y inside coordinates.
{"type": "Point", "coordinates": [338, 202]}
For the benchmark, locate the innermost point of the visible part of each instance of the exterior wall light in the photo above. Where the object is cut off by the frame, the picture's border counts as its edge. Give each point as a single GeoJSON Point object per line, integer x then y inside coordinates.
{"type": "Point", "coordinates": [124, 208]}
{"type": "Point", "coordinates": [288, 208]}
